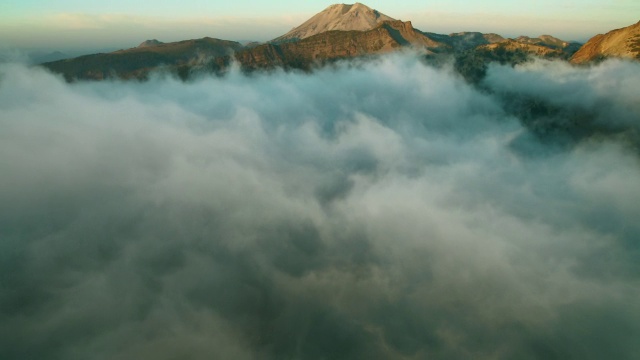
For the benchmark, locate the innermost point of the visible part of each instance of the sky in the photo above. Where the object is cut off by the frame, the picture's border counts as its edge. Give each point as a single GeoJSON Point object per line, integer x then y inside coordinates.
{"type": "Point", "coordinates": [75, 24]}
{"type": "Point", "coordinates": [382, 211]}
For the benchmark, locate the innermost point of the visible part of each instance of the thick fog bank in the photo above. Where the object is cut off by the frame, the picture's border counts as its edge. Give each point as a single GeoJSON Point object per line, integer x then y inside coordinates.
{"type": "Point", "coordinates": [389, 211]}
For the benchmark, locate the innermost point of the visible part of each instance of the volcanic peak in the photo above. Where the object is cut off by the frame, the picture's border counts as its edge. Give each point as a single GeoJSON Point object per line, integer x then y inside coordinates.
{"type": "Point", "coordinates": [344, 17]}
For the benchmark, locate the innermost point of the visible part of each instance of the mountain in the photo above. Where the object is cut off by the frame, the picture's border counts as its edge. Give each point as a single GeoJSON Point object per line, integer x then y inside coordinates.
{"type": "Point", "coordinates": [149, 43]}
{"type": "Point", "coordinates": [473, 63]}
{"type": "Point", "coordinates": [334, 45]}
{"type": "Point", "coordinates": [465, 40]}
{"type": "Point", "coordinates": [137, 62]}
{"type": "Point", "coordinates": [339, 32]}
{"type": "Point", "coordinates": [622, 43]}
{"type": "Point", "coordinates": [568, 47]}
{"type": "Point", "coordinates": [526, 47]}
{"type": "Point", "coordinates": [340, 17]}
{"type": "Point", "coordinates": [545, 40]}
{"type": "Point", "coordinates": [380, 36]}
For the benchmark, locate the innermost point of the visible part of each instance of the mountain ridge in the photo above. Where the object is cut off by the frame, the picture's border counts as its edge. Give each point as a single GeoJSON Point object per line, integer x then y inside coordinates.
{"type": "Point", "coordinates": [137, 62]}
{"type": "Point", "coordinates": [621, 43]}
{"type": "Point", "coordinates": [311, 44]}
{"type": "Point", "coordinates": [148, 43]}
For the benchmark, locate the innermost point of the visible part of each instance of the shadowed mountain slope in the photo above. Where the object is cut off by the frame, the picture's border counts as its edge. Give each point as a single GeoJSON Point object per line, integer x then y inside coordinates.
{"type": "Point", "coordinates": [137, 62]}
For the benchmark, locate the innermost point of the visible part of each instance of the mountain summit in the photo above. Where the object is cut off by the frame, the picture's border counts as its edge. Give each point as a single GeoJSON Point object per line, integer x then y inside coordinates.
{"type": "Point", "coordinates": [622, 43]}
{"type": "Point", "coordinates": [149, 43]}
{"type": "Point", "coordinates": [342, 17]}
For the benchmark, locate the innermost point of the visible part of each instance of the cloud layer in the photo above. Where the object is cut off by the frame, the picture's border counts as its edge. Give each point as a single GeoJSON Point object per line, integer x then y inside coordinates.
{"type": "Point", "coordinates": [381, 211]}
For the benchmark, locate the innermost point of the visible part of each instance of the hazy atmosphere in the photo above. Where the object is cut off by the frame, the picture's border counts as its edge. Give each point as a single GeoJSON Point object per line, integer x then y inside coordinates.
{"type": "Point", "coordinates": [383, 211]}
{"type": "Point", "coordinates": [73, 25]}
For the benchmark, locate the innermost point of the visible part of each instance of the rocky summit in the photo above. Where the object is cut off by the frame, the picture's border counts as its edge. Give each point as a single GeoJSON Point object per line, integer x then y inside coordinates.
{"type": "Point", "coordinates": [341, 17]}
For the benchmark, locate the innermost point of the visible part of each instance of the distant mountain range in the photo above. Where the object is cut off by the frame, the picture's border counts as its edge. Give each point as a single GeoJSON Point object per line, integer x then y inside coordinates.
{"type": "Point", "coordinates": [341, 32]}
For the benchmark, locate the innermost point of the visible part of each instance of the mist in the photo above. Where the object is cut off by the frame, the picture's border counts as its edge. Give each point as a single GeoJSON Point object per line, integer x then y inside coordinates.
{"type": "Point", "coordinates": [382, 211]}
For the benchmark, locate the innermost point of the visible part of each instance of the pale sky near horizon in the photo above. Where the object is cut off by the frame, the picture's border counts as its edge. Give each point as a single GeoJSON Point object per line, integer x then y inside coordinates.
{"type": "Point", "coordinates": [78, 24]}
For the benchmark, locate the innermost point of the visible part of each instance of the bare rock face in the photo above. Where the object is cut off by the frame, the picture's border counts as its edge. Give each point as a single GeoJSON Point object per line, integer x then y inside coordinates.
{"type": "Point", "coordinates": [621, 43]}
{"type": "Point", "coordinates": [343, 17]}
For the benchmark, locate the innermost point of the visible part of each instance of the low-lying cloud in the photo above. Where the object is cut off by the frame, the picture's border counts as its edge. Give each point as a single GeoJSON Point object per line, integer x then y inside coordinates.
{"type": "Point", "coordinates": [380, 212]}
